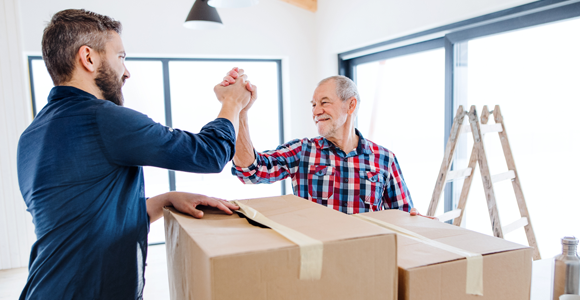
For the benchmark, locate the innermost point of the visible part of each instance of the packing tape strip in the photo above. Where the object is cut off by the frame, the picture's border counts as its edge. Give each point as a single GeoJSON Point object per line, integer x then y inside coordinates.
{"type": "Point", "coordinates": [310, 249]}
{"type": "Point", "coordinates": [474, 279]}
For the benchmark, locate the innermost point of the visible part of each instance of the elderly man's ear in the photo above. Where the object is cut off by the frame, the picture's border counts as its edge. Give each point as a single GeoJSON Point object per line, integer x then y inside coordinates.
{"type": "Point", "coordinates": [352, 105]}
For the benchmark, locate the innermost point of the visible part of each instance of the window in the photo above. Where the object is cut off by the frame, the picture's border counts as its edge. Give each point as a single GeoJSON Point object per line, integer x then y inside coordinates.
{"type": "Point", "coordinates": [150, 102]}
{"type": "Point", "coordinates": [536, 85]}
{"type": "Point", "coordinates": [523, 59]}
{"type": "Point", "coordinates": [178, 92]}
{"type": "Point", "coordinates": [191, 112]}
{"type": "Point", "coordinates": [397, 115]}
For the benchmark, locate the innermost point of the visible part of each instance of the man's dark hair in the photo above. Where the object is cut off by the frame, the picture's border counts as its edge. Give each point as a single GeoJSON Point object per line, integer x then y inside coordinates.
{"type": "Point", "coordinates": [66, 33]}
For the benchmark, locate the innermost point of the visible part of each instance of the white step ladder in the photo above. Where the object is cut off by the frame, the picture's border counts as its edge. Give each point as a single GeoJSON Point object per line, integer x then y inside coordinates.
{"type": "Point", "coordinates": [478, 156]}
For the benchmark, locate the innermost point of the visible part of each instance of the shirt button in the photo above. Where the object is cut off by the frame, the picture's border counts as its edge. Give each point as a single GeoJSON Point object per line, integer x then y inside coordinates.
{"type": "Point", "coordinates": [345, 180]}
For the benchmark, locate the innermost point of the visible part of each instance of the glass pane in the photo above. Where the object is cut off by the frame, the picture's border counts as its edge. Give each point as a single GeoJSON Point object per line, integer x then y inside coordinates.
{"type": "Point", "coordinates": [402, 109]}
{"type": "Point", "coordinates": [533, 75]}
{"type": "Point", "coordinates": [143, 92]}
{"type": "Point", "coordinates": [42, 83]}
{"type": "Point", "coordinates": [193, 104]}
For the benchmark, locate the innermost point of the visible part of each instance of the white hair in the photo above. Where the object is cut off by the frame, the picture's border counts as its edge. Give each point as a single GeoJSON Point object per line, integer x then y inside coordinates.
{"type": "Point", "coordinates": [345, 88]}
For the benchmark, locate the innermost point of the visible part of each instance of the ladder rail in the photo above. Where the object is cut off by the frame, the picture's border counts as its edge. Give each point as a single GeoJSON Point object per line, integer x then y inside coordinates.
{"type": "Point", "coordinates": [466, 187]}
{"type": "Point", "coordinates": [447, 158]}
{"type": "Point", "coordinates": [485, 174]}
{"type": "Point", "coordinates": [524, 213]}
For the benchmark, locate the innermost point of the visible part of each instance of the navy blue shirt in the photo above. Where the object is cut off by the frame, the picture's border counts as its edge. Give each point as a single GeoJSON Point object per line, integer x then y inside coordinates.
{"type": "Point", "coordinates": [79, 170]}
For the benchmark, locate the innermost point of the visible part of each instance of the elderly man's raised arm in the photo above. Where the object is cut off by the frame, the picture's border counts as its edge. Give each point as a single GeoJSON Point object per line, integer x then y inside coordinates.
{"type": "Point", "coordinates": [253, 167]}
{"type": "Point", "coordinates": [244, 155]}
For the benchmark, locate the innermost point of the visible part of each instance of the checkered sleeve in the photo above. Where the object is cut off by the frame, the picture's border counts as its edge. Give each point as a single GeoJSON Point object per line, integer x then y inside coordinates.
{"type": "Point", "coordinates": [271, 166]}
{"type": "Point", "coordinates": [396, 194]}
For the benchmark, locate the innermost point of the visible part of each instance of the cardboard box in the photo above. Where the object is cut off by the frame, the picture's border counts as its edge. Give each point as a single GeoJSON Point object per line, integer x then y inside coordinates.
{"type": "Point", "coordinates": [226, 257]}
{"type": "Point", "coordinates": [428, 272]}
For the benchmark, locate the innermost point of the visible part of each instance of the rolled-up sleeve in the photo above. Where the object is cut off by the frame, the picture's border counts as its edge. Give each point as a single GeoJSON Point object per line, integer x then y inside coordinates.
{"type": "Point", "coordinates": [271, 166]}
{"type": "Point", "coordinates": [130, 138]}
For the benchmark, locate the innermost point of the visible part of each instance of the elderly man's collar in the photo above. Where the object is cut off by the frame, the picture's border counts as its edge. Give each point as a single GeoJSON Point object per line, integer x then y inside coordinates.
{"type": "Point", "coordinates": [363, 145]}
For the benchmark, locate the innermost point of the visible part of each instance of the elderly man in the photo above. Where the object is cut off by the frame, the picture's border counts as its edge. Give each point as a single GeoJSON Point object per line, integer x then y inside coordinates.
{"type": "Point", "coordinates": [339, 169]}
{"type": "Point", "coordinates": [79, 165]}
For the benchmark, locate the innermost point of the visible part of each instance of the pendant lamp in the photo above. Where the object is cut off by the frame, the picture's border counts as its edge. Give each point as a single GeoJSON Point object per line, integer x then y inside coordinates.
{"type": "Point", "coordinates": [202, 16]}
{"type": "Point", "coordinates": [232, 3]}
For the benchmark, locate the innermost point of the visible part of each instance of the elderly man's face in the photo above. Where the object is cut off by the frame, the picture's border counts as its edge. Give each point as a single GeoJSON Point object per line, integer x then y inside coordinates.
{"type": "Point", "coordinates": [112, 73]}
{"type": "Point", "coordinates": [329, 112]}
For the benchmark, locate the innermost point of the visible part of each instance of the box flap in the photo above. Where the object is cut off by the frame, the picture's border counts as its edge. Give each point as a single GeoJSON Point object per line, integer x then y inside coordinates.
{"type": "Point", "coordinates": [412, 253]}
{"type": "Point", "coordinates": [220, 234]}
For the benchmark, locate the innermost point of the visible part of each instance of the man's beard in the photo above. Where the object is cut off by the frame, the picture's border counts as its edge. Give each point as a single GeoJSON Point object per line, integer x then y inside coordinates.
{"type": "Point", "coordinates": [329, 126]}
{"type": "Point", "coordinates": [107, 82]}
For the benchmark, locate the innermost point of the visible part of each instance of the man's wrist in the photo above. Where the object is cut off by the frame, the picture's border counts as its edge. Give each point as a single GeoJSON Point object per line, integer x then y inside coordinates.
{"type": "Point", "coordinates": [166, 200]}
{"type": "Point", "coordinates": [232, 105]}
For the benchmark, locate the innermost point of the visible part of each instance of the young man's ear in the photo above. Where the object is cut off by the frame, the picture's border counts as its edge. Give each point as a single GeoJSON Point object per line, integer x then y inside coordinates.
{"type": "Point", "coordinates": [88, 58]}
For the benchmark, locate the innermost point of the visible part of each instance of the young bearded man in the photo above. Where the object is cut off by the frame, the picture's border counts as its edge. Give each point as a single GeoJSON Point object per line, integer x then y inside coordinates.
{"type": "Point", "coordinates": [80, 165]}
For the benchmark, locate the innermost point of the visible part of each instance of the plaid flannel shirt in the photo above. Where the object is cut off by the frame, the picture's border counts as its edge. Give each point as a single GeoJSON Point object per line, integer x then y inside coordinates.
{"type": "Point", "coordinates": [366, 179]}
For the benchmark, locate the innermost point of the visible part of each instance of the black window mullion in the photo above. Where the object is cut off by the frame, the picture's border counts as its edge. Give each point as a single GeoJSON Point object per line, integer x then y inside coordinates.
{"type": "Point", "coordinates": [448, 204]}
{"type": "Point", "coordinates": [281, 114]}
{"type": "Point", "coordinates": [400, 51]}
{"type": "Point", "coordinates": [168, 119]}
{"type": "Point", "coordinates": [346, 68]}
{"type": "Point", "coordinates": [31, 77]}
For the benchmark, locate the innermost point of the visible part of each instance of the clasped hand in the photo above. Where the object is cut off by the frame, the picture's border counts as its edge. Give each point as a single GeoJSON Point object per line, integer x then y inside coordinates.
{"type": "Point", "coordinates": [231, 80]}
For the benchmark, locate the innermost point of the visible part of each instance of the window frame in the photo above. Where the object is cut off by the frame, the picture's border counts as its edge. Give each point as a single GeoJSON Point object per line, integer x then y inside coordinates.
{"type": "Point", "coordinates": [452, 35]}
{"type": "Point", "coordinates": [167, 92]}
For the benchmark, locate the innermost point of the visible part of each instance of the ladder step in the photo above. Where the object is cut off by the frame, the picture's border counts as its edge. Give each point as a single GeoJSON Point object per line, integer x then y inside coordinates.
{"type": "Point", "coordinates": [485, 128]}
{"type": "Point", "coordinates": [452, 175]}
{"type": "Point", "coordinates": [450, 215]}
{"type": "Point", "coordinates": [503, 176]}
{"type": "Point", "coordinates": [515, 225]}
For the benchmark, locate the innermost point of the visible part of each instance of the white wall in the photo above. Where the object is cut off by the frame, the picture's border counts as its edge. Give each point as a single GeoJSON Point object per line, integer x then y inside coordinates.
{"type": "Point", "coordinates": [344, 25]}
{"type": "Point", "coordinates": [308, 43]}
{"type": "Point", "coordinates": [16, 229]}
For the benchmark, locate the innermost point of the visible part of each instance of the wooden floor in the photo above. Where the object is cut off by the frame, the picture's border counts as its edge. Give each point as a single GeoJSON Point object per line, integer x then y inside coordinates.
{"type": "Point", "coordinates": [156, 282]}
{"type": "Point", "coordinates": [156, 288]}
{"type": "Point", "coordinates": [11, 283]}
